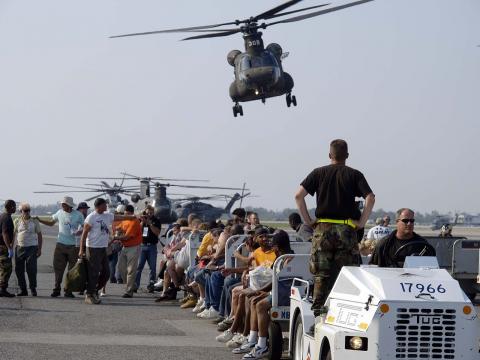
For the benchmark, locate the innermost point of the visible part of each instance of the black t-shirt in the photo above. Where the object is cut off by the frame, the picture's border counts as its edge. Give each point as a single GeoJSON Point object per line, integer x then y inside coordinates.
{"type": "Point", "coordinates": [6, 225]}
{"type": "Point", "coordinates": [148, 235]}
{"type": "Point", "coordinates": [336, 187]}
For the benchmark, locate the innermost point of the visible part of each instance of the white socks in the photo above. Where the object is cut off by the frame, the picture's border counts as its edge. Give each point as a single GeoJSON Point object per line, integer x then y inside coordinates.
{"type": "Point", "coordinates": [262, 342]}
{"type": "Point", "coordinates": [252, 338]}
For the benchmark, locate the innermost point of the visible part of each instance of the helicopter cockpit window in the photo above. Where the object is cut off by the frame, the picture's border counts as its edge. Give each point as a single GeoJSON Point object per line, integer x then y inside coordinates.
{"type": "Point", "coordinates": [252, 61]}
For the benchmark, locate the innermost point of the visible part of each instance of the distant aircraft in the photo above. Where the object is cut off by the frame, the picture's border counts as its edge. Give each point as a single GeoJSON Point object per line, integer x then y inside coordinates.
{"type": "Point", "coordinates": [462, 219]}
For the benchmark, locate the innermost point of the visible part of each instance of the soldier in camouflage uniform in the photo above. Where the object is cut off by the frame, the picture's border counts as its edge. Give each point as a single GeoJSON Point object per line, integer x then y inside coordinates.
{"type": "Point", "coordinates": [334, 243]}
{"type": "Point", "coordinates": [6, 246]}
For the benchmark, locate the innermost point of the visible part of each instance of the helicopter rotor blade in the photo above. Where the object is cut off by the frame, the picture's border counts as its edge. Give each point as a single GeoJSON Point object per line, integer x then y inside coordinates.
{"type": "Point", "coordinates": [216, 34]}
{"type": "Point", "coordinates": [70, 187]}
{"type": "Point", "coordinates": [160, 178]}
{"type": "Point", "coordinates": [104, 183]}
{"type": "Point", "coordinates": [94, 197]}
{"type": "Point", "coordinates": [269, 13]}
{"type": "Point", "coordinates": [93, 177]}
{"type": "Point", "coordinates": [202, 187]}
{"type": "Point", "coordinates": [296, 11]}
{"type": "Point", "coordinates": [318, 13]}
{"type": "Point", "coordinates": [63, 192]}
{"type": "Point", "coordinates": [186, 29]}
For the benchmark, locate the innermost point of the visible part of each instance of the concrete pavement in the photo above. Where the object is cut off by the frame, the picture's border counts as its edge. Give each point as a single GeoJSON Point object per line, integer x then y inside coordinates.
{"type": "Point", "coordinates": [137, 328]}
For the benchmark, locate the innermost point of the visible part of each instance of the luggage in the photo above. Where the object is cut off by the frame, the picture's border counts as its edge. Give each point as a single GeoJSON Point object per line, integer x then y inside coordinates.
{"type": "Point", "coordinates": [76, 280]}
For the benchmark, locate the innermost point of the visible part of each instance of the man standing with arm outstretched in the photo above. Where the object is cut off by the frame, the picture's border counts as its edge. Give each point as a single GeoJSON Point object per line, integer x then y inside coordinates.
{"type": "Point", "coordinates": [334, 243]}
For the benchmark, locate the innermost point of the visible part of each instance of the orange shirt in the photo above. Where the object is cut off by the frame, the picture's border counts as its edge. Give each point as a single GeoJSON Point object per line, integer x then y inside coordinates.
{"type": "Point", "coordinates": [131, 228]}
{"type": "Point", "coordinates": [264, 258]}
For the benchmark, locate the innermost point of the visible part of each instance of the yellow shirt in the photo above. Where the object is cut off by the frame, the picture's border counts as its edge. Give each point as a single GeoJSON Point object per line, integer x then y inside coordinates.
{"type": "Point", "coordinates": [207, 241]}
{"type": "Point", "coordinates": [264, 258]}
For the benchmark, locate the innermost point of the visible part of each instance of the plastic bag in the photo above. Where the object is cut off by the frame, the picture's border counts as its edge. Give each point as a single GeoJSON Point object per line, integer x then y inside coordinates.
{"type": "Point", "coordinates": [182, 257]}
{"type": "Point", "coordinates": [260, 277]}
{"type": "Point", "coordinates": [76, 279]}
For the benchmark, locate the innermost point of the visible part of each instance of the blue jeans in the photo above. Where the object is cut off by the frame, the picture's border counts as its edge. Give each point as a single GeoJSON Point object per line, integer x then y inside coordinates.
{"type": "Point", "coordinates": [226, 297]}
{"type": "Point", "coordinates": [213, 289]}
{"type": "Point", "coordinates": [148, 253]}
{"type": "Point", "coordinates": [112, 264]}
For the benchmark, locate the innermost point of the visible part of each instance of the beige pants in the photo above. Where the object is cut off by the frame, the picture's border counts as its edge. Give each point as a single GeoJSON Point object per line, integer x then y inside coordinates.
{"type": "Point", "coordinates": [127, 265]}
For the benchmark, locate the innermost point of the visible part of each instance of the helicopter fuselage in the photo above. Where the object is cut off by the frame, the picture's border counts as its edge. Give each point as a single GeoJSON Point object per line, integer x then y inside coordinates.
{"type": "Point", "coordinates": [258, 71]}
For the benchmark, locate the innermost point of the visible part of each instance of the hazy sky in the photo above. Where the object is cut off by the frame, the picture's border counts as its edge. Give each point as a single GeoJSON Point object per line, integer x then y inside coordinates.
{"type": "Point", "coordinates": [398, 79]}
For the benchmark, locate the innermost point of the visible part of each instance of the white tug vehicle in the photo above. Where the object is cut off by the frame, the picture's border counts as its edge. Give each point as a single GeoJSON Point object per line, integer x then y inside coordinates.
{"type": "Point", "coordinates": [415, 312]}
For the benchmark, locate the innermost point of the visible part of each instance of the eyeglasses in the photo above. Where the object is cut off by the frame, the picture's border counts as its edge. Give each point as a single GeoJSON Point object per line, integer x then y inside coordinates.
{"type": "Point", "coordinates": [406, 221]}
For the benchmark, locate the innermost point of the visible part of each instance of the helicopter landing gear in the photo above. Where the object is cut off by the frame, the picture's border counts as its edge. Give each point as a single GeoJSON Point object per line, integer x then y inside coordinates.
{"type": "Point", "coordinates": [237, 109]}
{"type": "Point", "coordinates": [291, 99]}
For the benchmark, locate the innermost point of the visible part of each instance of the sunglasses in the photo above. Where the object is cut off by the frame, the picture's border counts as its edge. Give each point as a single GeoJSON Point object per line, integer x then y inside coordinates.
{"type": "Point", "coordinates": [26, 210]}
{"type": "Point", "coordinates": [406, 221]}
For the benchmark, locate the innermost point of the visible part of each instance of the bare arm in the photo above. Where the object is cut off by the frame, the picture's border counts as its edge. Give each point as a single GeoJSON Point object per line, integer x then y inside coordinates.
{"type": "Point", "coordinates": [367, 211]}
{"type": "Point", "coordinates": [8, 240]}
{"type": "Point", "coordinates": [86, 230]}
{"type": "Point", "coordinates": [302, 205]}
{"type": "Point", "coordinates": [50, 222]}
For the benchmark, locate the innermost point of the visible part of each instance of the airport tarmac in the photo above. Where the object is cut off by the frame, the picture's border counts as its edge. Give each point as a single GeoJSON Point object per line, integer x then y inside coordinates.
{"type": "Point", "coordinates": [137, 328]}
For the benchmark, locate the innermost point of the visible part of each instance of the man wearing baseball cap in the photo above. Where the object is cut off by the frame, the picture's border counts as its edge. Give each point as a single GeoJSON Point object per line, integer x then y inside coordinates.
{"type": "Point", "coordinates": [69, 226]}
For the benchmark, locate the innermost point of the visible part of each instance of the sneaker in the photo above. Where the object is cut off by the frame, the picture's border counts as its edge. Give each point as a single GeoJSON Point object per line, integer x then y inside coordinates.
{"type": "Point", "coordinates": [200, 306]}
{"type": "Point", "coordinates": [203, 313]}
{"type": "Point", "coordinates": [245, 348]}
{"type": "Point", "coordinates": [34, 292]}
{"type": "Point", "coordinates": [190, 303]}
{"type": "Point", "coordinates": [5, 293]}
{"type": "Point", "coordinates": [126, 296]}
{"type": "Point", "coordinates": [159, 283]}
{"type": "Point", "coordinates": [103, 294]}
{"type": "Point", "coordinates": [68, 294]}
{"type": "Point", "coordinates": [227, 335]}
{"type": "Point", "coordinates": [96, 300]}
{"type": "Point", "coordinates": [225, 324]}
{"type": "Point", "coordinates": [186, 298]}
{"type": "Point", "coordinates": [217, 320]}
{"type": "Point", "coordinates": [22, 293]}
{"type": "Point", "coordinates": [237, 340]}
{"type": "Point", "coordinates": [55, 293]}
{"type": "Point", "coordinates": [210, 314]}
{"type": "Point", "coordinates": [257, 353]}
{"type": "Point", "coordinates": [89, 300]}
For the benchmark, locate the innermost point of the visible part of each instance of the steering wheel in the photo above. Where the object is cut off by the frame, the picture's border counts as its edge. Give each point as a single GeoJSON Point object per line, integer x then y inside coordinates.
{"type": "Point", "coordinates": [415, 245]}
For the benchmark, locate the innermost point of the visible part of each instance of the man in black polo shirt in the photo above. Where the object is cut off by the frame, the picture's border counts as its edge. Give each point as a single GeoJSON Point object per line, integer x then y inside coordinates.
{"type": "Point", "coordinates": [148, 252]}
{"type": "Point", "coordinates": [334, 242]}
{"type": "Point", "coordinates": [6, 246]}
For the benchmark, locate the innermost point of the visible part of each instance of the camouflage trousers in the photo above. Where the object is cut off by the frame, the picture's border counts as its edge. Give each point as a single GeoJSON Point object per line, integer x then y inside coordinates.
{"type": "Point", "coordinates": [5, 267]}
{"type": "Point", "coordinates": [333, 246]}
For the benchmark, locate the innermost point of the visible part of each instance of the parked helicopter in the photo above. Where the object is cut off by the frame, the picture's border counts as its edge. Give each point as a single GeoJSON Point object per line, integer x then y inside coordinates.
{"type": "Point", "coordinates": [258, 71]}
{"type": "Point", "coordinates": [164, 207]}
{"type": "Point", "coordinates": [206, 212]}
{"type": "Point", "coordinates": [112, 192]}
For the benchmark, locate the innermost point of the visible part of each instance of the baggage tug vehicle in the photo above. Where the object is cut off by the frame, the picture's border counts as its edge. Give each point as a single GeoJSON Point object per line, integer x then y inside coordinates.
{"type": "Point", "coordinates": [415, 312]}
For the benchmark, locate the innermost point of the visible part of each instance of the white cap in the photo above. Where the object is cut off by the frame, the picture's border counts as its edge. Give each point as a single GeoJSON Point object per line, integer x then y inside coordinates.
{"type": "Point", "coordinates": [120, 209]}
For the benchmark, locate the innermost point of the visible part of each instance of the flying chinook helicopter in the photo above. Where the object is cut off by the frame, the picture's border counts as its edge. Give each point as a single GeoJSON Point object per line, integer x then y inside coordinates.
{"type": "Point", "coordinates": [258, 71]}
